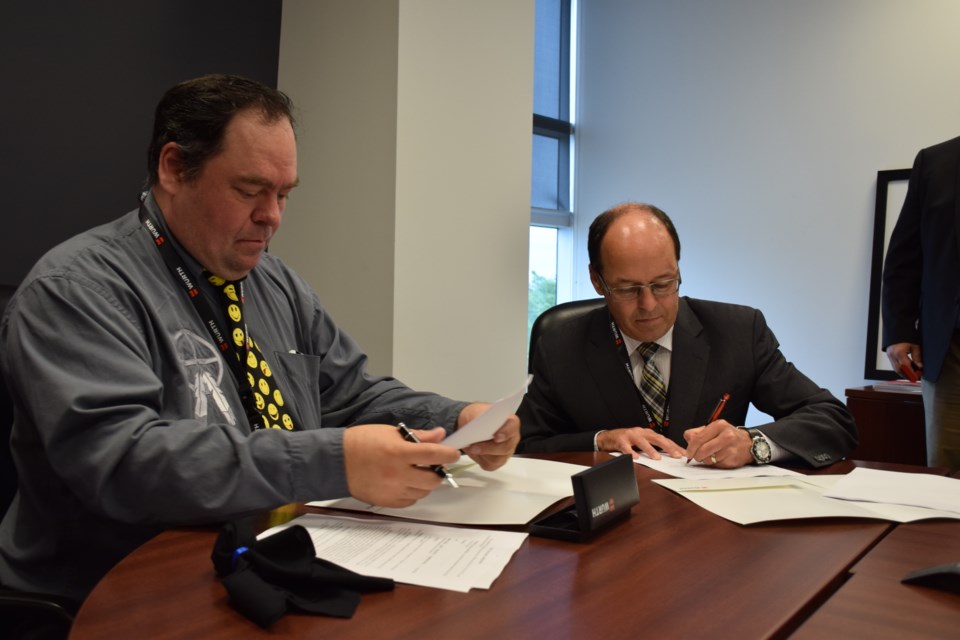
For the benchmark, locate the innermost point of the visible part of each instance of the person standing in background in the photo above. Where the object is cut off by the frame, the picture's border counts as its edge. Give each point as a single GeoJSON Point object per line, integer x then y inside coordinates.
{"type": "Point", "coordinates": [920, 295]}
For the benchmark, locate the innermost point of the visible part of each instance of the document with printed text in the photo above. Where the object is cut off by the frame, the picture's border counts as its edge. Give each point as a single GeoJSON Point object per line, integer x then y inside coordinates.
{"type": "Point", "coordinates": [422, 554]}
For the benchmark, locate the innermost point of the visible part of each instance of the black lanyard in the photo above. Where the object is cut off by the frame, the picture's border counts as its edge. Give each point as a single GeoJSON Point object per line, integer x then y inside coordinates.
{"type": "Point", "coordinates": [622, 350]}
{"type": "Point", "coordinates": [181, 273]}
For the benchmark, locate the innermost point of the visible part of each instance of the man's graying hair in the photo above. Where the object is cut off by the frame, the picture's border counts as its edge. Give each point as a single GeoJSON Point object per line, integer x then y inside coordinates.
{"type": "Point", "coordinates": [195, 114]}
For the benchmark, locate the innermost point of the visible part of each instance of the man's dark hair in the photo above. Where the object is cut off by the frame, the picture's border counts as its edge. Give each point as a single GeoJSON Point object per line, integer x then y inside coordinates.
{"type": "Point", "coordinates": [600, 225]}
{"type": "Point", "coordinates": [195, 114]}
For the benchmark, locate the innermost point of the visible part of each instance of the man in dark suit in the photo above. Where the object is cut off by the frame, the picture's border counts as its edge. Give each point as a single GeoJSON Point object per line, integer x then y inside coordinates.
{"type": "Point", "coordinates": [921, 294]}
{"type": "Point", "coordinates": [595, 378]}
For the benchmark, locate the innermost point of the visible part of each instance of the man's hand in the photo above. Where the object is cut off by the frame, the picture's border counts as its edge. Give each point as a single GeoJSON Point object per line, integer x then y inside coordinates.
{"type": "Point", "coordinates": [719, 444]}
{"type": "Point", "coordinates": [905, 354]}
{"type": "Point", "coordinates": [634, 439]}
{"type": "Point", "coordinates": [493, 453]}
{"type": "Point", "coordinates": [382, 468]}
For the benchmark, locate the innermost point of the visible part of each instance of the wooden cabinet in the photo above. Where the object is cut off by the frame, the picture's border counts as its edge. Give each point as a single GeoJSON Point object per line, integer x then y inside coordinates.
{"type": "Point", "coordinates": [890, 424]}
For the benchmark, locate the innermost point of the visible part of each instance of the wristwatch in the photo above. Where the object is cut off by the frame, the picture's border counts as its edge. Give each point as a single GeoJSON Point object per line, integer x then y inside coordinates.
{"type": "Point", "coordinates": [760, 449]}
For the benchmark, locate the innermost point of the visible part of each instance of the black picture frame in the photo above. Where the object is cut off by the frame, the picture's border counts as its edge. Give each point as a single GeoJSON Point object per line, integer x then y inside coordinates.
{"type": "Point", "coordinates": [891, 190]}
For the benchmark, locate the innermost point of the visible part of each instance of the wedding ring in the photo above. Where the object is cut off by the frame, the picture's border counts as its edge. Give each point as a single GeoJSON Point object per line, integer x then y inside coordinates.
{"type": "Point", "coordinates": [713, 459]}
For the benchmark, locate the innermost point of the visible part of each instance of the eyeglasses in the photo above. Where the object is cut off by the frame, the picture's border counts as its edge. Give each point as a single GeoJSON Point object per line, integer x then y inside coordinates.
{"type": "Point", "coordinates": [660, 289]}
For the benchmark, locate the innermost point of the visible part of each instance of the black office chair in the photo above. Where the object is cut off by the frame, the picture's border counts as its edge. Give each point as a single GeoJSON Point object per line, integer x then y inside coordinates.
{"type": "Point", "coordinates": [557, 315]}
{"type": "Point", "coordinates": [24, 616]}
{"type": "Point", "coordinates": [8, 475]}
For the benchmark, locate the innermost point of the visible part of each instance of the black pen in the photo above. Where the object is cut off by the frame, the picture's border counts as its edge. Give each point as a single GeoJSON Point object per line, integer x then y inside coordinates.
{"type": "Point", "coordinates": [438, 469]}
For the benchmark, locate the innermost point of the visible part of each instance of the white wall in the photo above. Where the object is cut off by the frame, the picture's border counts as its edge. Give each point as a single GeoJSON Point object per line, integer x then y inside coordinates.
{"type": "Point", "coordinates": [338, 229]}
{"type": "Point", "coordinates": [759, 126]}
{"type": "Point", "coordinates": [412, 218]}
{"type": "Point", "coordinates": [463, 194]}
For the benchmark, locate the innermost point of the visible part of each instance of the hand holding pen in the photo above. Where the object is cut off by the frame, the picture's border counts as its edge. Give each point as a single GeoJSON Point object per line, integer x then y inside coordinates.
{"type": "Point", "coordinates": [909, 372]}
{"type": "Point", "coordinates": [713, 418]}
{"type": "Point", "coordinates": [438, 469]}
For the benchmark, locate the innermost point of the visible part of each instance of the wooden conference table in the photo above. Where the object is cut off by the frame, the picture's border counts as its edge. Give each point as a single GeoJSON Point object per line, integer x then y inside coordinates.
{"type": "Point", "coordinates": [672, 570]}
{"type": "Point", "coordinates": [874, 604]}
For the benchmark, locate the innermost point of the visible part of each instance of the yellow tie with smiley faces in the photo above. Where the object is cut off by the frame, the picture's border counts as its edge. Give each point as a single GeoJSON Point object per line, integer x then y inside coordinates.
{"type": "Point", "coordinates": [267, 398]}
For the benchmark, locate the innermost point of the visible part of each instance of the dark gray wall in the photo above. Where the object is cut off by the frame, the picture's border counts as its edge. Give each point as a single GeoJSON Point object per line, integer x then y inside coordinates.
{"type": "Point", "coordinates": [80, 80]}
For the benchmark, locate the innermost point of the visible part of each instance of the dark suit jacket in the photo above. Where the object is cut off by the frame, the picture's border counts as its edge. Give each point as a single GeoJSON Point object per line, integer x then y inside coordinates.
{"type": "Point", "coordinates": [580, 387]}
{"type": "Point", "coordinates": [921, 273]}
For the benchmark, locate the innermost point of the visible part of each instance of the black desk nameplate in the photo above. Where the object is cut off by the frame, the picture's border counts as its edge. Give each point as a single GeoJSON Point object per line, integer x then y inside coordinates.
{"type": "Point", "coordinates": [603, 496]}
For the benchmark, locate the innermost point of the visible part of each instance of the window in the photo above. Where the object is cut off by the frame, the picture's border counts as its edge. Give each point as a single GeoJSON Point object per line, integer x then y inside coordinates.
{"type": "Point", "coordinates": [543, 272]}
{"type": "Point", "coordinates": [551, 217]}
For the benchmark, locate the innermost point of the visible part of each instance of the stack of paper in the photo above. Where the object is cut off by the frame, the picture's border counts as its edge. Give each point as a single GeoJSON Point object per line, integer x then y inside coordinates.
{"type": "Point", "coordinates": [863, 493]}
{"type": "Point", "coordinates": [681, 468]}
{"type": "Point", "coordinates": [421, 554]}
{"type": "Point", "coordinates": [513, 494]}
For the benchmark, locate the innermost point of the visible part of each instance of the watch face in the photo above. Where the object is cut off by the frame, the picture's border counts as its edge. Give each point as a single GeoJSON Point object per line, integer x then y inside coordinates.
{"type": "Point", "coordinates": [760, 450]}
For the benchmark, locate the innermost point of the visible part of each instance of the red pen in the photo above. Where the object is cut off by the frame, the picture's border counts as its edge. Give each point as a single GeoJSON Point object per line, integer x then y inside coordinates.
{"type": "Point", "coordinates": [716, 413]}
{"type": "Point", "coordinates": [909, 373]}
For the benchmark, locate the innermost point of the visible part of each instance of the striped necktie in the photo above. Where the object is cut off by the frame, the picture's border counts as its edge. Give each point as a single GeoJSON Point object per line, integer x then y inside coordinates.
{"type": "Point", "coordinates": [266, 397]}
{"type": "Point", "coordinates": [652, 386]}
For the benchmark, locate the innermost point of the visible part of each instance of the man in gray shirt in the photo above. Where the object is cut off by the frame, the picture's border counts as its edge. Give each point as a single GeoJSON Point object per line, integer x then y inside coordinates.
{"type": "Point", "coordinates": [142, 403]}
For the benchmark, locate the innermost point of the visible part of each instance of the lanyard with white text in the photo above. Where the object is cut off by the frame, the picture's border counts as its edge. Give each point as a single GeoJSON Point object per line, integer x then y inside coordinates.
{"type": "Point", "coordinates": [622, 350]}
{"type": "Point", "coordinates": [181, 274]}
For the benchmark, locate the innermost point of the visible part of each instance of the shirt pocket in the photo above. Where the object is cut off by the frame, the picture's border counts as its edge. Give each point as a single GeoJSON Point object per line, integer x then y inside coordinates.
{"type": "Point", "coordinates": [298, 376]}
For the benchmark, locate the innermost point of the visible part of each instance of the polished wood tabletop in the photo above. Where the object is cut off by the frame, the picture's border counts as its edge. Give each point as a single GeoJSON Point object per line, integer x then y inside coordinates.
{"type": "Point", "coordinates": [875, 604]}
{"type": "Point", "coordinates": [671, 570]}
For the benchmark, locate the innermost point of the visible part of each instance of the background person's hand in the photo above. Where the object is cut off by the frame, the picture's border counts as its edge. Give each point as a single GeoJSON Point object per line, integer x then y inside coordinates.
{"type": "Point", "coordinates": [905, 354]}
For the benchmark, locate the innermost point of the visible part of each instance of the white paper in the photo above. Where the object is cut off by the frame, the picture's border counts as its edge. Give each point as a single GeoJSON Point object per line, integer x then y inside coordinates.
{"type": "Point", "coordinates": [678, 468]}
{"type": "Point", "coordinates": [752, 500]}
{"type": "Point", "coordinates": [512, 495]}
{"type": "Point", "coordinates": [486, 424]}
{"type": "Point", "coordinates": [421, 554]}
{"type": "Point", "coordinates": [894, 487]}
